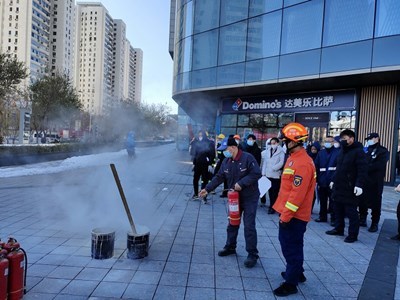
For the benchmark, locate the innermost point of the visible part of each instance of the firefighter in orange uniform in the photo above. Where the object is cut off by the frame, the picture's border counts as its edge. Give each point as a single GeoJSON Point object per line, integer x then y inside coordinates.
{"type": "Point", "coordinates": [294, 204]}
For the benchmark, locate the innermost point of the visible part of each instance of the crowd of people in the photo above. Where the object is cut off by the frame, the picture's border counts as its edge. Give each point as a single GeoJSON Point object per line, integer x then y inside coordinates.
{"type": "Point", "coordinates": [343, 176]}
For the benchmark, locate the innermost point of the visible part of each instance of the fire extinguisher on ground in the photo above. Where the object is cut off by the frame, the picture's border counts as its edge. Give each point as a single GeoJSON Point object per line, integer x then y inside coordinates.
{"type": "Point", "coordinates": [18, 264]}
{"type": "Point", "coordinates": [233, 208]}
{"type": "Point", "coordinates": [3, 274]}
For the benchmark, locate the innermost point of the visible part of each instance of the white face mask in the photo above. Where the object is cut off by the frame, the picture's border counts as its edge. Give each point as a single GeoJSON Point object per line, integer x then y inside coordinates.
{"type": "Point", "coordinates": [274, 146]}
{"type": "Point", "coordinates": [237, 141]}
{"type": "Point", "coordinates": [336, 145]}
{"type": "Point", "coordinates": [250, 142]}
{"type": "Point", "coordinates": [200, 138]}
{"type": "Point", "coordinates": [370, 142]}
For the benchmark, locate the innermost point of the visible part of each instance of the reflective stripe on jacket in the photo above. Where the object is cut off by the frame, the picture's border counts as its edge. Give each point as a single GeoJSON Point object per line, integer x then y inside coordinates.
{"type": "Point", "coordinates": [297, 188]}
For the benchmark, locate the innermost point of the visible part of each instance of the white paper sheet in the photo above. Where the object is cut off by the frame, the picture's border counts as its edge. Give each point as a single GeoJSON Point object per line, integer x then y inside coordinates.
{"type": "Point", "coordinates": [263, 185]}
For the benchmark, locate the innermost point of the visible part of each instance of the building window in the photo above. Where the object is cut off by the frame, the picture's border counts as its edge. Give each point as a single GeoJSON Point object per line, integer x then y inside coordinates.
{"type": "Point", "coordinates": [302, 27]}
{"type": "Point", "coordinates": [264, 36]}
{"type": "Point", "coordinates": [233, 11]}
{"type": "Point", "coordinates": [206, 15]}
{"type": "Point", "coordinates": [387, 18]}
{"type": "Point", "coordinates": [205, 49]}
{"type": "Point", "coordinates": [232, 43]}
{"type": "Point", "coordinates": [348, 21]}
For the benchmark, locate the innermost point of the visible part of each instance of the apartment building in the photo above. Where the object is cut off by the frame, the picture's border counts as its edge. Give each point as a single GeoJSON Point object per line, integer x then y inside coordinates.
{"type": "Point", "coordinates": [24, 33]}
{"type": "Point", "coordinates": [62, 37]}
{"type": "Point", "coordinates": [94, 56]}
{"type": "Point", "coordinates": [81, 41]}
{"type": "Point", "coordinates": [118, 72]}
{"type": "Point", "coordinates": [135, 74]}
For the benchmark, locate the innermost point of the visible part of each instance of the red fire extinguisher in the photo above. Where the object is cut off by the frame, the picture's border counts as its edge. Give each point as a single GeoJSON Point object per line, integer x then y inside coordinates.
{"type": "Point", "coordinates": [233, 208]}
{"type": "Point", "coordinates": [3, 274]}
{"type": "Point", "coordinates": [18, 264]}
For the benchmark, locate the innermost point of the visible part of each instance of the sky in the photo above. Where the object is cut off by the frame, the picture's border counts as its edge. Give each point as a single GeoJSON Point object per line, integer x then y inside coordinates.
{"type": "Point", "coordinates": [147, 27]}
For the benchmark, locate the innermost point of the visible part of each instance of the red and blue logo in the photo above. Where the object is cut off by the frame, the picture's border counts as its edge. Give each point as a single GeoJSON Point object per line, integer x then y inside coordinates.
{"type": "Point", "coordinates": [237, 104]}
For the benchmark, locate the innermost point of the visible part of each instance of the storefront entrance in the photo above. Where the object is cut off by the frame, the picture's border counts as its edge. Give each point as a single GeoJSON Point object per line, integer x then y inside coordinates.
{"type": "Point", "coordinates": [316, 124]}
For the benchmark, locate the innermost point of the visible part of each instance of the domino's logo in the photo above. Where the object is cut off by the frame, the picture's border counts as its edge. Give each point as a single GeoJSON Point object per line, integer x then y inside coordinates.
{"type": "Point", "coordinates": [237, 104]}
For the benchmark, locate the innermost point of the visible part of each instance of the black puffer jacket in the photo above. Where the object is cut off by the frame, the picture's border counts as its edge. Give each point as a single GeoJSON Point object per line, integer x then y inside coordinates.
{"type": "Point", "coordinates": [351, 171]}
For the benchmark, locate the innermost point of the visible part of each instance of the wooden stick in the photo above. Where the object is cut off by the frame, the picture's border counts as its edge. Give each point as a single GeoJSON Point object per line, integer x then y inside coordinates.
{"type": "Point", "coordinates": [121, 192]}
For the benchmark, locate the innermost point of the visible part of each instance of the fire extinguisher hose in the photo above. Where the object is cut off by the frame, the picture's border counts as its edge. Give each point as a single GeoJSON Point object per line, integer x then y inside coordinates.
{"type": "Point", "coordinates": [26, 268]}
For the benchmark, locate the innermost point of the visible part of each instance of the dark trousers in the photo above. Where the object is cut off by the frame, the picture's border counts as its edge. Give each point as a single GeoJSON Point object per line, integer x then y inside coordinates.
{"type": "Point", "coordinates": [373, 200]}
{"type": "Point", "coordinates": [398, 217]}
{"type": "Point", "coordinates": [325, 202]}
{"type": "Point", "coordinates": [248, 209]}
{"type": "Point", "coordinates": [200, 171]}
{"type": "Point", "coordinates": [291, 237]}
{"type": "Point", "coordinates": [273, 190]}
{"type": "Point", "coordinates": [216, 170]}
{"type": "Point", "coordinates": [343, 210]}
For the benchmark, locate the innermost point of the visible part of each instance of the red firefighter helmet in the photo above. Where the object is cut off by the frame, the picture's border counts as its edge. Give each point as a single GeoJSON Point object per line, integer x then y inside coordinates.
{"type": "Point", "coordinates": [294, 132]}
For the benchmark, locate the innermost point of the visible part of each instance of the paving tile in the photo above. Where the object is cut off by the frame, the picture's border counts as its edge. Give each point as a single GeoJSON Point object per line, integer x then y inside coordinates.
{"type": "Point", "coordinates": [92, 274]}
{"type": "Point", "coordinates": [65, 250]}
{"type": "Point", "coordinates": [340, 290]}
{"type": "Point", "coordinates": [119, 276]}
{"type": "Point", "coordinates": [40, 270]}
{"type": "Point", "coordinates": [146, 277]}
{"type": "Point", "coordinates": [53, 259]}
{"type": "Point", "coordinates": [102, 263]}
{"type": "Point", "coordinates": [197, 268]}
{"type": "Point", "coordinates": [64, 272]}
{"type": "Point", "coordinates": [80, 287]}
{"type": "Point", "coordinates": [140, 291]}
{"type": "Point", "coordinates": [229, 282]}
{"type": "Point", "coordinates": [182, 257]}
{"type": "Point", "coordinates": [168, 292]}
{"type": "Point", "coordinates": [256, 284]}
{"type": "Point", "coordinates": [174, 279]}
{"type": "Point", "coordinates": [201, 280]}
{"type": "Point", "coordinates": [223, 294]}
{"type": "Point", "coordinates": [177, 267]}
{"type": "Point", "coordinates": [77, 261]}
{"type": "Point", "coordinates": [127, 264]}
{"type": "Point", "coordinates": [50, 286]}
{"type": "Point", "coordinates": [198, 293]}
{"type": "Point", "coordinates": [31, 281]}
{"type": "Point", "coordinates": [69, 297]}
{"type": "Point", "coordinates": [110, 289]}
{"type": "Point", "coordinates": [39, 296]}
{"type": "Point", "coordinates": [151, 265]}
{"type": "Point", "coordinates": [255, 295]}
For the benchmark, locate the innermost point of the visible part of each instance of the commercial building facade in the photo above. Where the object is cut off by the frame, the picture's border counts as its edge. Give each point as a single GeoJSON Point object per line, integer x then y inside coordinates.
{"type": "Point", "coordinates": [253, 65]}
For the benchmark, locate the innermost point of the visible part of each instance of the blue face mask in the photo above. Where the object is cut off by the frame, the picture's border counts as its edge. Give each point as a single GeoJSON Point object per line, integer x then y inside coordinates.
{"type": "Point", "coordinates": [250, 143]}
{"type": "Point", "coordinates": [327, 145]}
{"type": "Point", "coordinates": [370, 142]}
{"type": "Point", "coordinates": [227, 154]}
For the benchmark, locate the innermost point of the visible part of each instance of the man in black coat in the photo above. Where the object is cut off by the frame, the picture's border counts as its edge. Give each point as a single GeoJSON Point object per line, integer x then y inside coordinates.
{"type": "Point", "coordinates": [252, 148]}
{"type": "Point", "coordinates": [347, 185]}
{"type": "Point", "coordinates": [377, 158]}
{"type": "Point", "coordinates": [203, 153]}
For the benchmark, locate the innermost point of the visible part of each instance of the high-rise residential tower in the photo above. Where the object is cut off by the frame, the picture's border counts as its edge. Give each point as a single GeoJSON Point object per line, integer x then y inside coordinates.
{"type": "Point", "coordinates": [94, 56]}
{"type": "Point", "coordinates": [62, 37]}
{"type": "Point", "coordinates": [24, 33]}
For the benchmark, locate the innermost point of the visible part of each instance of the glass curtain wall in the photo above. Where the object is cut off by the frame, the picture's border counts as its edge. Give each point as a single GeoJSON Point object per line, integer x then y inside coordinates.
{"type": "Point", "coordinates": [225, 42]}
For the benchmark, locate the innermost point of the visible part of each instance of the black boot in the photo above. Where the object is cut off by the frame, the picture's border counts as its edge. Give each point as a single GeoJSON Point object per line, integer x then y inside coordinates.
{"type": "Point", "coordinates": [363, 222]}
{"type": "Point", "coordinates": [373, 228]}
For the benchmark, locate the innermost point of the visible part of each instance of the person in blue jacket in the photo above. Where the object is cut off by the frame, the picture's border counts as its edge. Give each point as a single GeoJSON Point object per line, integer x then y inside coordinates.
{"type": "Point", "coordinates": [325, 165]}
{"type": "Point", "coordinates": [130, 143]}
{"type": "Point", "coordinates": [241, 171]}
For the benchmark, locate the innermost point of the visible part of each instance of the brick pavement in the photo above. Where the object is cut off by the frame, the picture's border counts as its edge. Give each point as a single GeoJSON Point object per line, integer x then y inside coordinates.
{"type": "Point", "coordinates": [185, 238]}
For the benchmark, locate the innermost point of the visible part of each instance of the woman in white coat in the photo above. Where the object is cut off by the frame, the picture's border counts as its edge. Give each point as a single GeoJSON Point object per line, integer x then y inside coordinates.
{"type": "Point", "coordinates": [273, 161]}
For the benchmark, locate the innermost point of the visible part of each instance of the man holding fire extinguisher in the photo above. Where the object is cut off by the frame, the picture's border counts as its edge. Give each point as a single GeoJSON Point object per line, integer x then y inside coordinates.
{"type": "Point", "coordinates": [241, 171]}
{"type": "Point", "coordinates": [294, 204]}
